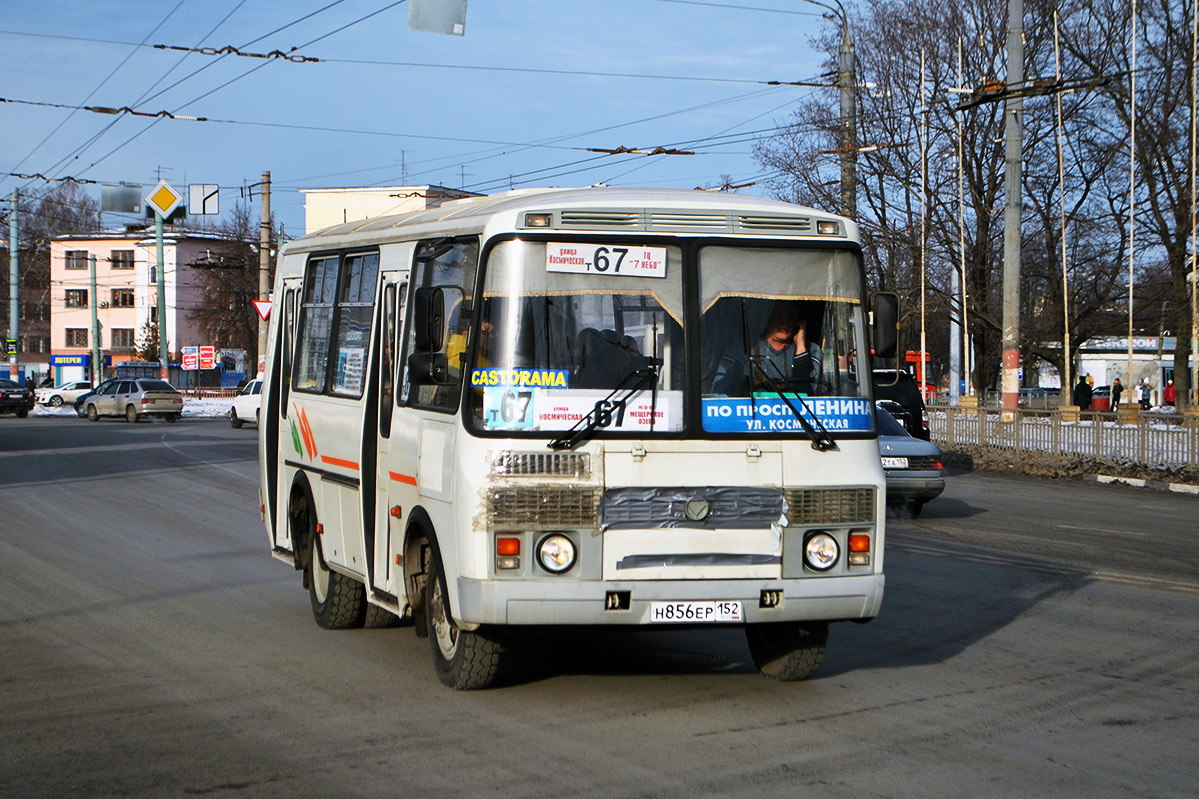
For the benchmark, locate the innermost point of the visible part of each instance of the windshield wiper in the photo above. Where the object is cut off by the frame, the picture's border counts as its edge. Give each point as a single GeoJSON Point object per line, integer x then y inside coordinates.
{"type": "Point", "coordinates": [608, 409]}
{"type": "Point", "coordinates": [821, 440]}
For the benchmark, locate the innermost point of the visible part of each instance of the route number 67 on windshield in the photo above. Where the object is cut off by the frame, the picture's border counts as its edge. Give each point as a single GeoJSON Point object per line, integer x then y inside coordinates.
{"type": "Point", "coordinates": [605, 260]}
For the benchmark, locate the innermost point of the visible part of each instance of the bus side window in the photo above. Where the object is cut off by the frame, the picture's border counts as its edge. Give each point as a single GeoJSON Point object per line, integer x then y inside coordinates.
{"type": "Point", "coordinates": [287, 332]}
{"type": "Point", "coordinates": [452, 265]}
{"type": "Point", "coordinates": [387, 361]}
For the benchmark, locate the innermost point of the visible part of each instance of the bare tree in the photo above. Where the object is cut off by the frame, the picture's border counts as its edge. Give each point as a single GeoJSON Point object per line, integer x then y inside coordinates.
{"type": "Point", "coordinates": [230, 285]}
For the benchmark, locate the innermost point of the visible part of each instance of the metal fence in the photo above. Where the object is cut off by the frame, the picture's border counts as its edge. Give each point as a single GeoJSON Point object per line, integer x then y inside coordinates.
{"type": "Point", "coordinates": [1160, 440]}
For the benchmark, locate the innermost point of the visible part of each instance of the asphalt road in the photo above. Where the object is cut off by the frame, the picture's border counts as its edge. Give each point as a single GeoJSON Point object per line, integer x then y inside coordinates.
{"type": "Point", "coordinates": [1038, 638]}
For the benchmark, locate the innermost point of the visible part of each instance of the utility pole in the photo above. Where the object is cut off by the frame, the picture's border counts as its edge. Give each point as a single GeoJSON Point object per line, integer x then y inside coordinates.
{"type": "Point", "coordinates": [164, 370]}
{"type": "Point", "coordinates": [97, 366]}
{"type": "Point", "coordinates": [14, 269]}
{"type": "Point", "coordinates": [1013, 119]}
{"type": "Point", "coordinates": [264, 265]}
{"type": "Point", "coordinates": [849, 127]}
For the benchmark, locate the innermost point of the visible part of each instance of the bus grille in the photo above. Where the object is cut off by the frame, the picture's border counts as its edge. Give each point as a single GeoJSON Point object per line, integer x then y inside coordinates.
{"type": "Point", "coordinates": [830, 505]}
{"type": "Point", "coordinates": [576, 465]}
{"type": "Point", "coordinates": [541, 507]}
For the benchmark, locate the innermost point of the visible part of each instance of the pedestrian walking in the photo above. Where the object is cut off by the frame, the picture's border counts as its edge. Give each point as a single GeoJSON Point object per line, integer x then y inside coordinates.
{"type": "Point", "coordinates": [1146, 394]}
{"type": "Point", "coordinates": [1168, 394]}
{"type": "Point", "coordinates": [1117, 390]}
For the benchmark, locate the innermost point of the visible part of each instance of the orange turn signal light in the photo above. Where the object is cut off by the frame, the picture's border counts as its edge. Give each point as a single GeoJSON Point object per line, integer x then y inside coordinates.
{"type": "Point", "coordinates": [507, 546]}
{"type": "Point", "coordinates": [859, 542]}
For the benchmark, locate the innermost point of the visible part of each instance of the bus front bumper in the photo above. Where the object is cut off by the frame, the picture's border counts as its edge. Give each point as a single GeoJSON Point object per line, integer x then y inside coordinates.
{"type": "Point", "coordinates": [574, 602]}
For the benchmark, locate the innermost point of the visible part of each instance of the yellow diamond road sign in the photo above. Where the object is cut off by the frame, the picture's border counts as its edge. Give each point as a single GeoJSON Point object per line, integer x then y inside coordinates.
{"type": "Point", "coordinates": [164, 199]}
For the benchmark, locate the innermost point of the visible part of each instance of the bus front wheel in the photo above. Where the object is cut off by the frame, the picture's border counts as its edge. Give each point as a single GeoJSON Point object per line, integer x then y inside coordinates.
{"type": "Point", "coordinates": [464, 659]}
{"type": "Point", "coordinates": [787, 651]}
{"type": "Point", "coordinates": [336, 599]}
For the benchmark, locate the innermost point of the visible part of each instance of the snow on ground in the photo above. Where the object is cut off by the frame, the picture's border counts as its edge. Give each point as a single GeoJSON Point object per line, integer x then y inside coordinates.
{"type": "Point", "coordinates": [192, 408]}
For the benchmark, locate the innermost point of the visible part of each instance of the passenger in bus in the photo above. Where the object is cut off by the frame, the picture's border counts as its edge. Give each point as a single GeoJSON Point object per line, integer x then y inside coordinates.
{"type": "Point", "coordinates": [784, 354]}
{"type": "Point", "coordinates": [605, 358]}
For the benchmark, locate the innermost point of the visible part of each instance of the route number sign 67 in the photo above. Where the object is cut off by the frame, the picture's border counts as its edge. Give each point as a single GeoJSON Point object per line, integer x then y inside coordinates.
{"type": "Point", "coordinates": [605, 260]}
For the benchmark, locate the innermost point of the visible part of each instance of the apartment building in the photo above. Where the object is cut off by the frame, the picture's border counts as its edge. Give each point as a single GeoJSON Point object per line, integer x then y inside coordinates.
{"type": "Point", "coordinates": [125, 297]}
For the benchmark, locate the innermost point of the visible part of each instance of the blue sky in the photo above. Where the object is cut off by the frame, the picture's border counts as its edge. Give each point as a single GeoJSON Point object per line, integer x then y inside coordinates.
{"type": "Point", "coordinates": [389, 106]}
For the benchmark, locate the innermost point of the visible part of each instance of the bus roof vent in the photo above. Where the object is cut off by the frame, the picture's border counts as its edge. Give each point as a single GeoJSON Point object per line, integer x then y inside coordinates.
{"type": "Point", "coordinates": [600, 219]}
{"type": "Point", "coordinates": [757, 223]}
{"type": "Point", "coordinates": [688, 220]}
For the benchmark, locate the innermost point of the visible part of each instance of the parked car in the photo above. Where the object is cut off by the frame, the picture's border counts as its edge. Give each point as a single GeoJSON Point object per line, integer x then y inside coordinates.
{"type": "Point", "coordinates": [81, 400]}
{"type": "Point", "coordinates": [1101, 398]}
{"type": "Point", "coordinates": [15, 398]}
{"type": "Point", "coordinates": [246, 404]}
{"type": "Point", "coordinates": [901, 387]}
{"type": "Point", "coordinates": [912, 466]}
{"type": "Point", "coordinates": [134, 399]}
{"type": "Point", "coordinates": [67, 392]}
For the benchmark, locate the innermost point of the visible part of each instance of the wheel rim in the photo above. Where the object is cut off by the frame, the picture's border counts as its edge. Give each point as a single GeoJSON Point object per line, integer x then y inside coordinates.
{"type": "Point", "coordinates": [130, 414]}
{"type": "Point", "coordinates": [92, 414]}
{"type": "Point", "coordinates": [55, 401]}
{"type": "Point", "coordinates": [445, 632]}
{"type": "Point", "coordinates": [320, 576]}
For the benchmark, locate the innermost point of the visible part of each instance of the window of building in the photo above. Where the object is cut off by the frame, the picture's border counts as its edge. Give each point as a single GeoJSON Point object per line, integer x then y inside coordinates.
{"type": "Point", "coordinates": [122, 259]}
{"type": "Point", "coordinates": [123, 298]}
{"type": "Point", "coordinates": [38, 344]}
{"type": "Point", "coordinates": [76, 336]}
{"type": "Point", "coordinates": [76, 298]}
{"type": "Point", "coordinates": [76, 259]}
{"type": "Point", "coordinates": [153, 274]}
{"type": "Point", "coordinates": [122, 338]}
{"type": "Point", "coordinates": [35, 312]}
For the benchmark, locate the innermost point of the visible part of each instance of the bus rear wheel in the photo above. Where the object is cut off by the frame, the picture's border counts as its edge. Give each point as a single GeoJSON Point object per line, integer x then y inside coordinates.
{"type": "Point", "coordinates": [787, 651]}
{"type": "Point", "coordinates": [465, 660]}
{"type": "Point", "coordinates": [336, 599]}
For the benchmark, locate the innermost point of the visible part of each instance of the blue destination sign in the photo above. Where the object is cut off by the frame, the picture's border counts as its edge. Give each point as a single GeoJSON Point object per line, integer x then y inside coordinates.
{"type": "Point", "coordinates": [771, 414]}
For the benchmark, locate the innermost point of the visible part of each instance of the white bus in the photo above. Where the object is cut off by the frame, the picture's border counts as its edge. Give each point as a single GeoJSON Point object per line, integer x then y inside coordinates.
{"type": "Point", "coordinates": [578, 407]}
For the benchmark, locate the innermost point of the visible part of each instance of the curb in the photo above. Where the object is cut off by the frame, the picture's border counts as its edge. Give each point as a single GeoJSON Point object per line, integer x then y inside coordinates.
{"type": "Point", "coordinates": [1158, 485]}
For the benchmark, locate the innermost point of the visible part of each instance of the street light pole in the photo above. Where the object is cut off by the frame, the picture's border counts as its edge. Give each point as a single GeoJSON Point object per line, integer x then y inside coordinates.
{"type": "Point", "coordinates": [848, 146]}
{"type": "Point", "coordinates": [1013, 140]}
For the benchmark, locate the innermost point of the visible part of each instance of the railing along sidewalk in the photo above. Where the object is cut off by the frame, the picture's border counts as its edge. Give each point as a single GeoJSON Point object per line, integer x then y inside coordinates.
{"type": "Point", "coordinates": [1154, 439]}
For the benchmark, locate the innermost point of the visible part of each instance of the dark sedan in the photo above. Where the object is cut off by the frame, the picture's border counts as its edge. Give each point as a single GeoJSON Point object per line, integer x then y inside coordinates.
{"type": "Point", "coordinates": [15, 398]}
{"type": "Point", "coordinates": [912, 466]}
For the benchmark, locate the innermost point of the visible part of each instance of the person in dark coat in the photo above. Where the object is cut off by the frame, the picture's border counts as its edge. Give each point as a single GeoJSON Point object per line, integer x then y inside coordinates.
{"type": "Point", "coordinates": [1117, 390]}
{"type": "Point", "coordinates": [1082, 394]}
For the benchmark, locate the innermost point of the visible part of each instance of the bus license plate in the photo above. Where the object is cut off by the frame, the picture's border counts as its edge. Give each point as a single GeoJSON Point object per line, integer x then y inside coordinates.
{"type": "Point", "coordinates": [895, 463]}
{"type": "Point", "coordinates": [693, 612]}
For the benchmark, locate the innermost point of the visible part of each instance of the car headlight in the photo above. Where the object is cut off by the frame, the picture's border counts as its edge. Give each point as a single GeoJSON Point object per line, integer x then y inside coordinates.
{"type": "Point", "coordinates": [821, 551]}
{"type": "Point", "coordinates": [556, 553]}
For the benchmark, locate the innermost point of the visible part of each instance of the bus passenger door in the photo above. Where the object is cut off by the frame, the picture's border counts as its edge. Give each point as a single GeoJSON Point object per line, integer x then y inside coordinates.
{"type": "Point", "coordinates": [287, 436]}
{"type": "Point", "coordinates": [387, 576]}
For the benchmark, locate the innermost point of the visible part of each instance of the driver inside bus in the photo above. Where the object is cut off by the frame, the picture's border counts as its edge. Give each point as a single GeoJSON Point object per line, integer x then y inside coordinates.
{"type": "Point", "coordinates": [783, 354]}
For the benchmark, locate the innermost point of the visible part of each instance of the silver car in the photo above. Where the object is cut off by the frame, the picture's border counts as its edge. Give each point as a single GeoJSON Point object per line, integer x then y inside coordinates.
{"type": "Point", "coordinates": [912, 466]}
{"type": "Point", "coordinates": [135, 398]}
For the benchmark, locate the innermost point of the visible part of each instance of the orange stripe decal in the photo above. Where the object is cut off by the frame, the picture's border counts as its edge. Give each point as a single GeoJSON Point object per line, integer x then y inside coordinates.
{"type": "Point", "coordinates": [339, 462]}
{"type": "Point", "coordinates": [402, 478]}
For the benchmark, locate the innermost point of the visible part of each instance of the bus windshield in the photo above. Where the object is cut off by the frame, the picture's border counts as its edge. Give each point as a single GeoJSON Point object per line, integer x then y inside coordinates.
{"type": "Point", "coordinates": [564, 329]}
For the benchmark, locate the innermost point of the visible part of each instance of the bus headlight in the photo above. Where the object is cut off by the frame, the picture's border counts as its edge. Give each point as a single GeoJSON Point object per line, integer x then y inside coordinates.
{"type": "Point", "coordinates": [820, 551]}
{"type": "Point", "coordinates": [556, 553]}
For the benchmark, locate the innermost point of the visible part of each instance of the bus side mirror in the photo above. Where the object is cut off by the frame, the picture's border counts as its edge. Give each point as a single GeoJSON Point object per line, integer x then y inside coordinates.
{"type": "Point", "coordinates": [885, 310]}
{"type": "Point", "coordinates": [429, 368]}
{"type": "Point", "coordinates": [429, 319]}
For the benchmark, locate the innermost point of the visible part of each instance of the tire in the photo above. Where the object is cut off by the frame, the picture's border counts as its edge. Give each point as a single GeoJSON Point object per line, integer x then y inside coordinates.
{"type": "Point", "coordinates": [336, 599]}
{"type": "Point", "coordinates": [174, 417]}
{"type": "Point", "coordinates": [464, 660]}
{"type": "Point", "coordinates": [81, 412]}
{"type": "Point", "coordinates": [377, 617]}
{"type": "Point", "coordinates": [21, 414]}
{"type": "Point", "coordinates": [787, 651]}
{"type": "Point", "coordinates": [130, 414]}
{"type": "Point", "coordinates": [234, 419]}
{"type": "Point", "coordinates": [55, 401]}
{"type": "Point", "coordinates": [915, 506]}
{"type": "Point", "coordinates": [92, 413]}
